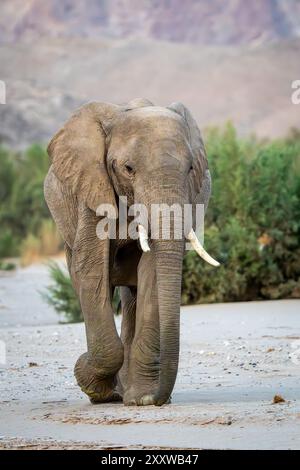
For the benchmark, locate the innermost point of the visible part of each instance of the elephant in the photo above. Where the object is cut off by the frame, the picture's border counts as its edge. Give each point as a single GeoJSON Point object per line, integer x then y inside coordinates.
{"type": "Point", "coordinates": [150, 154]}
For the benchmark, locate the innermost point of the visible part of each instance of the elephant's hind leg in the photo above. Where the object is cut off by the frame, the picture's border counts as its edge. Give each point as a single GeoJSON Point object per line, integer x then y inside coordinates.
{"type": "Point", "coordinates": [128, 302]}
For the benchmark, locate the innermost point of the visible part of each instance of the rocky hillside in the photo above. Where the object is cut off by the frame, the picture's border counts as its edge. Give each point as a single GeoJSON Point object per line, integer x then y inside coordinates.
{"type": "Point", "coordinates": [212, 22]}
{"type": "Point", "coordinates": [225, 59]}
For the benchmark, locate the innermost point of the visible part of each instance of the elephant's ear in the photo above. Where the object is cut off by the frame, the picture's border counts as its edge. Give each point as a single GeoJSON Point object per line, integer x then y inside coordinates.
{"type": "Point", "coordinates": [200, 180]}
{"type": "Point", "coordinates": [78, 153]}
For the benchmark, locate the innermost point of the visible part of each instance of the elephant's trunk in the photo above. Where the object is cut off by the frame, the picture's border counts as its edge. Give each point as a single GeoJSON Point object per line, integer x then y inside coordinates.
{"type": "Point", "coordinates": [169, 255]}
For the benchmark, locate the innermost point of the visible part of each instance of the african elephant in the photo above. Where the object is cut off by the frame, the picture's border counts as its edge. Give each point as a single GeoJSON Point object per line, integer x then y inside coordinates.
{"type": "Point", "coordinates": [152, 155]}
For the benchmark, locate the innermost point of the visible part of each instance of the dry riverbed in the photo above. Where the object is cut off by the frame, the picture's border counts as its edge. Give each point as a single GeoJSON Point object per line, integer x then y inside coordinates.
{"type": "Point", "coordinates": [234, 359]}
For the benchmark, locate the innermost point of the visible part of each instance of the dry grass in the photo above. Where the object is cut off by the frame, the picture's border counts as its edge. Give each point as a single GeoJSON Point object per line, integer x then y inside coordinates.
{"type": "Point", "coordinates": [50, 239]}
{"type": "Point", "coordinates": [47, 243]}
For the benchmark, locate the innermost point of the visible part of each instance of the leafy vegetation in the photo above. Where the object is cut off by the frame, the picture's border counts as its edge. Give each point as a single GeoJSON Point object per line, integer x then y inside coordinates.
{"type": "Point", "coordinates": [24, 216]}
{"type": "Point", "coordinates": [6, 266]}
{"type": "Point", "coordinates": [61, 294]}
{"type": "Point", "coordinates": [22, 201]}
{"type": "Point", "coordinates": [252, 224]}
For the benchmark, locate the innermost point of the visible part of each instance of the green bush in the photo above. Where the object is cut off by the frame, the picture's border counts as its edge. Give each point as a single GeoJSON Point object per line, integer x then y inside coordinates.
{"type": "Point", "coordinates": [61, 295]}
{"type": "Point", "coordinates": [7, 266]}
{"type": "Point", "coordinates": [22, 204]}
{"type": "Point", "coordinates": [8, 243]}
{"type": "Point", "coordinates": [252, 224]}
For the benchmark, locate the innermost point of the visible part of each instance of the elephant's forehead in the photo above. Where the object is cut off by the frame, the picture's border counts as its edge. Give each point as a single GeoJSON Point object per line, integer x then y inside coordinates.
{"type": "Point", "coordinates": [151, 121]}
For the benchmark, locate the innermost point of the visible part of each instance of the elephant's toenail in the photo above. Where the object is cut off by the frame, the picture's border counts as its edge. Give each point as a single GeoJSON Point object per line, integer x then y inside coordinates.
{"type": "Point", "coordinates": [147, 400]}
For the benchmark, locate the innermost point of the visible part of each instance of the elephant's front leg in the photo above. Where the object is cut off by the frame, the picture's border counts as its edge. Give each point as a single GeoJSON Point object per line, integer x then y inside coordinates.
{"type": "Point", "coordinates": [96, 369]}
{"type": "Point", "coordinates": [143, 371]}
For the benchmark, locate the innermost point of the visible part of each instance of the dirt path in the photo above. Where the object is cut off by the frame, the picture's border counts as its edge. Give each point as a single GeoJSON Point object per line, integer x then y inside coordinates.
{"type": "Point", "coordinates": [234, 359]}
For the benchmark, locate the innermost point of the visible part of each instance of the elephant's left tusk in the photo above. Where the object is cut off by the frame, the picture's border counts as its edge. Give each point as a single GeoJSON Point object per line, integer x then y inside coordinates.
{"type": "Point", "coordinates": [192, 237]}
{"type": "Point", "coordinates": [143, 237]}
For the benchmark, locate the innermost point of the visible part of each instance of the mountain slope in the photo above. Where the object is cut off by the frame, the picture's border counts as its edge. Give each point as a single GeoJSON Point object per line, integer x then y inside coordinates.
{"type": "Point", "coordinates": [47, 80]}
{"type": "Point", "coordinates": [209, 22]}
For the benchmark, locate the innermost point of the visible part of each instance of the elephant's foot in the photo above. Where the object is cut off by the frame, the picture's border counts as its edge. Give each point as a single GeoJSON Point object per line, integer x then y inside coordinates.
{"type": "Point", "coordinates": [143, 375]}
{"type": "Point", "coordinates": [95, 398]}
{"type": "Point", "coordinates": [98, 387]}
{"type": "Point", "coordinates": [141, 393]}
{"type": "Point", "coordinates": [140, 399]}
{"type": "Point", "coordinates": [131, 398]}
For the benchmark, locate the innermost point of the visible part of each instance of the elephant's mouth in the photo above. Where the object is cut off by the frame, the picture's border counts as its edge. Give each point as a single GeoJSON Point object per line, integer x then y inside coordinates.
{"type": "Point", "coordinates": [192, 237]}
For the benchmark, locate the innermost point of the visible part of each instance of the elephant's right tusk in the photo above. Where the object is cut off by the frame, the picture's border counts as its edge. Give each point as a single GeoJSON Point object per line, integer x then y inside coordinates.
{"type": "Point", "coordinates": [143, 237]}
{"type": "Point", "coordinates": [192, 237]}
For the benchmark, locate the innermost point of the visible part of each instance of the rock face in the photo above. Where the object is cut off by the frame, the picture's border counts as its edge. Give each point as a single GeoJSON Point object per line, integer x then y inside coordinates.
{"type": "Point", "coordinates": [225, 59]}
{"type": "Point", "coordinates": [216, 22]}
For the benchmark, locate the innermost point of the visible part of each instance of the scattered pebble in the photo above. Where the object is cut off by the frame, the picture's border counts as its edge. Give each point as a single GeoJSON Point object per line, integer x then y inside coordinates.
{"type": "Point", "coordinates": [278, 399]}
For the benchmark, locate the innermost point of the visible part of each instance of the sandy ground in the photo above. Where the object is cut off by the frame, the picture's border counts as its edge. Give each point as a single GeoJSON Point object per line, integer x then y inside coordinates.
{"type": "Point", "coordinates": [234, 359]}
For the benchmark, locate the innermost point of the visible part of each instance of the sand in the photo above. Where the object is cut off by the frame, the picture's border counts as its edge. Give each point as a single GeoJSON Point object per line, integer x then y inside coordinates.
{"type": "Point", "coordinates": [234, 359]}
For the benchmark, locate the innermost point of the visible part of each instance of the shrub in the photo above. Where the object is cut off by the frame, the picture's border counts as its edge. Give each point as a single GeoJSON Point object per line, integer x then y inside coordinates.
{"type": "Point", "coordinates": [7, 266]}
{"type": "Point", "coordinates": [252, 223]}
{"type": "Point", "coordinates": [61, 295]}
{"type": "Point", "coordinates": [22, 208]}
{"type": "Point", "coordinates": [8, 243]}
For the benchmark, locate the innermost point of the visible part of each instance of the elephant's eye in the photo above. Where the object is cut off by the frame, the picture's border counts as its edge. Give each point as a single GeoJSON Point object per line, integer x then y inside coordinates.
{"type": "Point", "coordinates": [191, 168]}
{"type": "Point", "coordinates": [129, 169]}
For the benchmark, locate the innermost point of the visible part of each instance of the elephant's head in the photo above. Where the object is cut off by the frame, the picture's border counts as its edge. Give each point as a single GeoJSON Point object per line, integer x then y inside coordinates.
{"type": "Point", "coordinates": [152, 155]}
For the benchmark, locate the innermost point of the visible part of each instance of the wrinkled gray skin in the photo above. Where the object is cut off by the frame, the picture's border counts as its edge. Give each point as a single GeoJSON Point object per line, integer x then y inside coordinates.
{"type": "Point", "coordinates": [152, 155]}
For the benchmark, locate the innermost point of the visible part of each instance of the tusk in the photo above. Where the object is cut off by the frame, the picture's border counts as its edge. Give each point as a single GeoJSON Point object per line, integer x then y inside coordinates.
{"type": "Point", "coordinates": [143, 237]}
{"type": "Point", "coordinates": [192, 237]}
